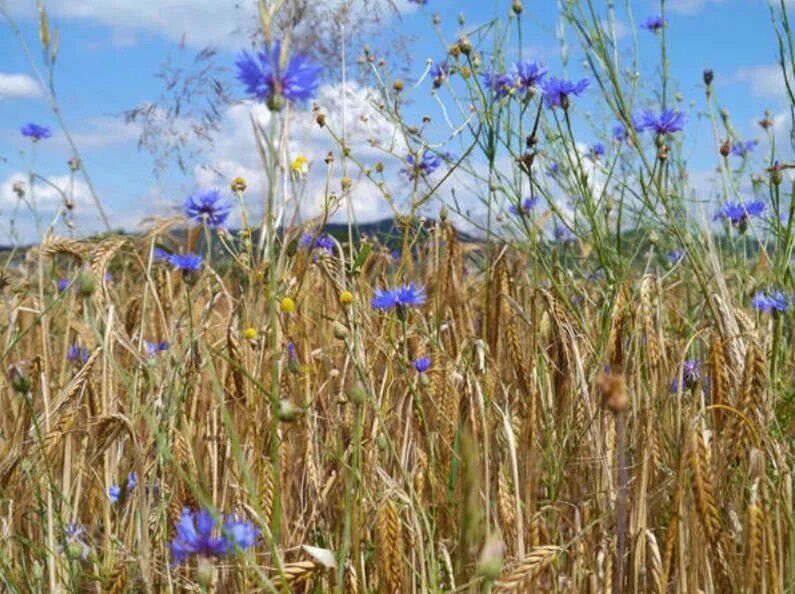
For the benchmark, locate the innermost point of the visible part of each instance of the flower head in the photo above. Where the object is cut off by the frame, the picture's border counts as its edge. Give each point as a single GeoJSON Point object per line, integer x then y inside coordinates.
{"type": "Point", "coordinates": [115, 491]}
{"type": "Point", "coordinates": [526, 206]}
{"type": "Point", "coordinates": [690, 375]}
{"type": "Point", "coordinates": [620, 132]}
{"type": "Point", "coordinates": [401, 297]}
{"type": "Point", "coordinates": [553, 169]}
{"type": "Point", "coordinates": [320, 242]}
{"type": "Point", "coordinates": [186, 262]}
{"type": "Point", "coordinates": [422, 364]}
{"type": "Point", "coordinates": [271, 79]}
{"type": "Point", "coordinates": [667, 122]}
{"type": "Point", "coordinates": [674, 256]}
{"type": "Point", "coordinates": [774, 302]}
{"type": "Point", "coordinates": [738, 213]}
{"type": "Point", "coordinates": [198, 533]}
{"type": "Point", "coordinates": [557, 91]}
{"type": "Point", "coordinates": [207, 207]}
{"type": "Point", "coordinates": [74, 542]}
{"type": "Point", "coordinates": [299, 165]}
{"type": "Point", "coordinates": [598, 150]}
{"type": "Point", "coordinates": [422, 167]}
{"type": "Point", "coordinates": [654, 23]}
{"type": "Point", "coordinates": [438, 72]}
{"type": "Point", "coordinates": [528, 74]}
{"type": "Point", "coordinates": [63, 284]}
{"type": "Point", "coordinates": [499, 85]}
{"type": "Point", "coordinates": [77, 354]}
{"type": "Point", "coordinates": [35, 132]}
{"type": "Point", "coordinates": [743, 149]}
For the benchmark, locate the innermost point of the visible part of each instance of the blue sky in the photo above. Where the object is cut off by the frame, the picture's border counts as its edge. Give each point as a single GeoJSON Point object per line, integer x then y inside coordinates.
{"type": "Point", "coordinates": [110, 51]}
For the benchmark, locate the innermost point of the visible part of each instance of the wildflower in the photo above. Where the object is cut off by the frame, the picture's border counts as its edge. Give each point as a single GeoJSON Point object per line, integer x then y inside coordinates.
{"type": "Point", "coordinates": [422, 364]}
{"type": "Point", "coordinates": [115, 491]}
{"type": "Point", "coordinates": [76, 353]}
{"type": "Point", "coordinates": [499, 85]}
{"type": "Point", "coordinates": [401, 297]}
{"type": "Point", "coordinates": [250, 333]}
{"type": "Point", "coordinates": [74, 543]}
{"type": "Point", "coordinates": [674, 256]}
{"type": "Point", "coordinates": [738, 213]}
{"type": "Point", "coordinates": [422, 167]}
{"type": "Point", "coordinates": [775, 302]}
{"type": "Point", "coordinates": [19, 381]}
{"type": "Point", "coordinates": [526, 206]}
{"type": "Point", "coordinates": [667, 122]}
{"type": "Point", "coordinates": [35, 132]}
{"type": "Point", "coordinates": [207, 207]}
{"type": "Point", "coordinates": [346, 298]}
{"type": "Point", "coordinates": [298, 166]}
{"type": "Point", "coordinates": [186, 262]}
{"type": "Point", "coordinates": [654, 23]}
{"type": "Point", "coordinates": [198, 533]}
{"type": "Point", "coordinates": [321, 242]}
{"type": "Point", "coordinates": [238, 185]}
{"type": "Point", "coordinates": [159, 254]}
{"type": "Point", "coordinates": [743, 149]}
{"type": "Point", "coordinates": [690, 375]}
{"type": "Point", "coordinates": [63, 284]}
{"type": "Point", "coordinates": [598, 150]}
{"type": "Point", "coordinates": [562, 234]}
{"type": "Point", "coordinates": [274, 79]}
{"type": "Point", "coordinates": [528, 74]}
{"type": "Point", "coordinates": [553, 169]}
{"type": "Point", "coordinates": [438, 72]}
{"type": "Point", "coordinates": [287, 305]}
{"type": "Point", "coordinates": [620, 132]}
{"type": "Point", "coordinates": [152, 348]}
{"type": "Point", "coordinates": [557, 91]}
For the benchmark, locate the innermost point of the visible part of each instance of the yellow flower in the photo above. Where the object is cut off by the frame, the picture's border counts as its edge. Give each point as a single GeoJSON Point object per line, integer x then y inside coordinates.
{"type": "Point", "coordinates": [346, 298]}
{"type": "Point", "coordinates": [298, 166]}
{"type": "Point", "coordinates": [287, 305]}
{"type": "Point", "coordinates": [250, 333]}
{"type": "Point", "coordinates": [238, 184]}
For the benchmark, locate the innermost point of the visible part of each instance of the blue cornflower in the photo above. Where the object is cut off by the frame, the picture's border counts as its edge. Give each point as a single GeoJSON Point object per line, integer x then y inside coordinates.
{"type": "Point", "coordinates": [674, 256]}
{"type": "Point", "coordinates": [500, 85]}
{"type": "Point", "coordinates": [438, 72]}
{"type": "Point", "coordinates": [197, 534]}
{"type": "Point", "coordinates": [528, 74]}
{"type": "Point", "coordinates": [271, 81]}
{"type": "Point", "coordinates": [527, 205]}
{"type": "Point", "coordinates": [159, 254]}
{"type": "Point", "coordinates": [207, 207]}
{"type": "Point", "coordinates": [598, 150]}
{"type": "Point", "coordinates": [562, 234]}
{"type": "Point", "coordinates": [654, 23]}
{"type": "Point", "coordinates": [620, 132]}
{"type": "Point", "coordinates": [114, 491]}
{"type": "Point", "coordinates": [776, 301]}
{"type": "Point", "coordinates": [553, 169]}
{"type": "Point", "coordinates": [427, 164]}
{"type": "Point", "coordinates": [690, 375]}
{"type": "Point", "coordinates": [186, 262]}
{"type": "Point", "coordinates": [422, 364]}
{"type": "Point", "coordinates": [738, 213]}
{"type": "Point", "coordinates": [152, 348]}
{"type": "Point", "coordinates": [400, 297]}
{"type": "Point", "coordinates": [557, 91]}
{"type": "Point", "coordinates": [74, 543]}
{"type": "Point", "coordinates": [743, 149]}
{"type": "Point", "coordinates": [35, 132]}
{"type": "Point", "coordinates": [76, 353]}
{"type": "Point", "coordinates": [321, 242]}
{"type": "Point", "coordinates": [667, 122]}
{"type": "Point", "coordinates": [63, 284]}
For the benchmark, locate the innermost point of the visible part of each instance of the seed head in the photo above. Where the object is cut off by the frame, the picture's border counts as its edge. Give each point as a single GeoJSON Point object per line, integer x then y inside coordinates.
{"type": "Point", "coordinates": [238, 185]}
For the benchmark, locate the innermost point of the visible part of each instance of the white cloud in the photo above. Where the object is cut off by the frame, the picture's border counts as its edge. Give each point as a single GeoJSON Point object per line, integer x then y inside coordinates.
{"type": "Point", "coordinates": [104, 131]}
{"type": "Point", "coordinates": [18, 86]}
{"type": "Point", "coordinates": [765, 82]}
{"type": "Point", "coordinates": [690, 6]}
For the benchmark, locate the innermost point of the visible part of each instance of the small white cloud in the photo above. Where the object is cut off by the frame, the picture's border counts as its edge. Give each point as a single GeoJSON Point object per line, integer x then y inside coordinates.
{"type": "Point", "coordinates": [18, 86]}
{"type": "Point", "coordinates": [690, 6]}
{"type": "Point", "coordinates": [765, 82]}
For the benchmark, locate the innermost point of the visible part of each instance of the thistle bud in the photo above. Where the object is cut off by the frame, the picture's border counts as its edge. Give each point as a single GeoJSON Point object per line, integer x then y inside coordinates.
{"type": "Point", "coordinates": [776, 177]}
{"type": "Point", "coordinates": [358, 394]}
{"type": "Point", "coordinates": [86, 283]}
{"type": "Point", "coordinates": [465, 45]}
{"type": "Point", "coordinates": [339, 331]}
{"type": "Point", "coordinates": [461, 19]}
{"type": "Point", "coordinates": [74, 164]}
{"type": "Point", "coordinates": [517, 7]}
{"type": "Point", "coordinates": [346, 183]}
{"type": "Point", "coordinates": [725, 148]}
{"type": "Point", "coordinates": [709, 76]}
{"type": "Point", "coordinates": [287, 411]}
{"type": "Point", "coordinates": [321, 120]}
{"type": "Point", "coordinates": [19, 381]}
{"type": "Point", "coordinates": [437, 19]}
{"type": "Point", "coordinates": [238, 185]}
{"type": "Point", "coordinates": [397, 85]}
{"type": "Point", "coordinates": [276, 102]}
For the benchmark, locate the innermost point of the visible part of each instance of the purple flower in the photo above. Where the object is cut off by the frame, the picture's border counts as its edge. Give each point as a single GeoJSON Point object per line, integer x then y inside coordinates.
{"type": "Point", "coordinates": [557, 91]}
{"type": "Point", "coordinates": [198, 534]}
{"type": "Point", "coordinates": [114, 491]}
{"type": "Point", "coordinates": [401, 297]}
{"type": "Point", "coordinates": [321, 242]}
{"type": "Point", "coordinates": [562, 234]}
{"type": "Point", "coordinates": [528, 74]}
{"type": "Point", "coordinates": [438, 72]}
{"type": "Point", "coordinates": [499, 85]}
{"type": "Point", "coordinates": [76, 354]}
{"type": "Point", "coordinates": [654, 23]}
{"type": "Point", "coordinates": [427, 164]}
{"type": "Point", "coordinates": [74, 543]}
{"type": "Point", "coordinates": [553, 169]}
{"type": "Point", "coordinates": [186, 262]}
{"type": "Point", "coordinates": [620, 132]}
{"type": "Point", "coordinates": [422, 364]}
{"type": "Point", "coordinates": [738, 213]}
{"type": "Point", "coordinates": [743, 149]}
{"type": "Point", "coordinates": [207, 207]}
{"type": "Point", "coordinates": [159, 254]}
{"type": "Point", "coordinates": [690, 375]}
{"type": "Point", "coordinates": [63, 284]}
{"type": "Point", "coordinates": [598, 150]}
{"type": "Point", "coordinates": [674, 256]}
{"type": "Point", "coordinates": [667, 122]}
{"type": "Point", "coordinates": [526, 206]}
{"type": "Point", "coordinates": [271, 80]}
{"type": "Point", "coordinates": [775, 302]}
{"type": "Point", "coordinates": [35, 132]}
